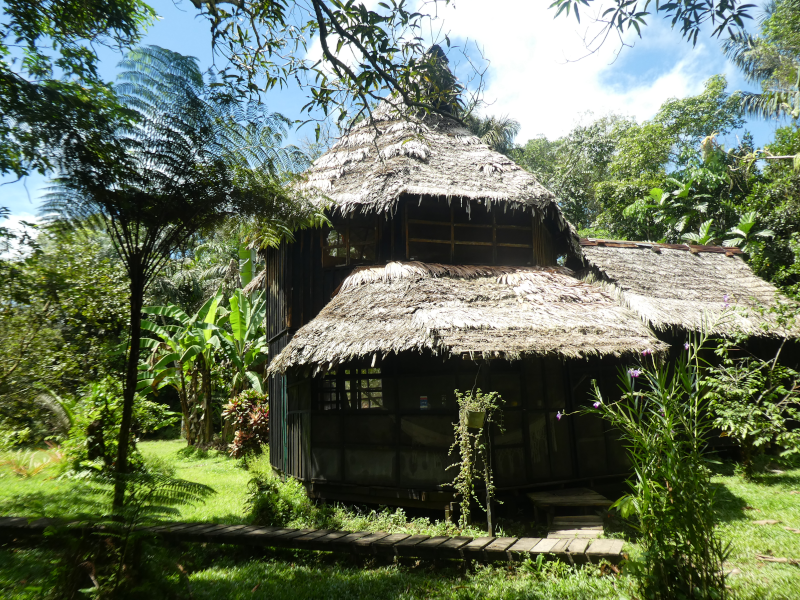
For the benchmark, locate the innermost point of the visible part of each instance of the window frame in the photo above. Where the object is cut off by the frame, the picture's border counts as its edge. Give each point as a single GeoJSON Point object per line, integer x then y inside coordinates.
{"type": "Point", "coordinates": [494, 227]}
{"type": "Point", "coordinates": [343, 228]}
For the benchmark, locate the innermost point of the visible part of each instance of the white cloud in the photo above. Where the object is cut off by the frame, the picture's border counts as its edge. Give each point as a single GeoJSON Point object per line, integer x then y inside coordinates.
{"type": "Point", "coordinates": [16, 224]}
{"type": "Point", "coordinates": [536, 78]}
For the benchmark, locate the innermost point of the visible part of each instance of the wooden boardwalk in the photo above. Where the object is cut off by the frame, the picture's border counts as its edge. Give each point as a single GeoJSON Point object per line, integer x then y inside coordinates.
{"type": "Point", "coordinates": [484, 549]}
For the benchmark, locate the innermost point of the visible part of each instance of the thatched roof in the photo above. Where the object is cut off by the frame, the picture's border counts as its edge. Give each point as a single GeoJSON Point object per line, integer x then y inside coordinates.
{"type": "Point", "coordinates": [676, 286]}
{"type": "Point", "coordinates": [395, 153]}
{"type": "Point", "coordinates": [486, 312]}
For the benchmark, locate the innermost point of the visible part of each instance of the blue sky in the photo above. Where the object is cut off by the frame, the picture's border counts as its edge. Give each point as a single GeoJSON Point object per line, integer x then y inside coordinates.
{"type": "Point", "coordinates": [535, 72]}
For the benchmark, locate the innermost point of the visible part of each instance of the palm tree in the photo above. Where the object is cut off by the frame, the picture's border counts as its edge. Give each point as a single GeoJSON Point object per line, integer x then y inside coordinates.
{"type": "Point", "coordinates": [496, 132]}
{"type": "Point", "coordinates": [182, 172]}
{"type": "Point", "coordinates": [771, 60]}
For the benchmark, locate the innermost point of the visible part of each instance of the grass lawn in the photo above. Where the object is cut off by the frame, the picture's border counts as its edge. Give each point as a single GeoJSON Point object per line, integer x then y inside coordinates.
{"type": "Point", "coordinates": [48, 494]}
{"type": "Point", "coordinates": [229, 572]}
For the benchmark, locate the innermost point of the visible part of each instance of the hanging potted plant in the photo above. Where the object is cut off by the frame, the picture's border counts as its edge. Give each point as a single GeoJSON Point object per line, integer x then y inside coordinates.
{"type": "Point", "coordinates": [476, 413]}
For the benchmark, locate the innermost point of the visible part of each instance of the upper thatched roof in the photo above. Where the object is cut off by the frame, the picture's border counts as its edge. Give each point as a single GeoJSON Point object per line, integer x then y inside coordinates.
{"type": "Point", "coordinates": [503, 312]}
{"type": "Point", "coordinates": [395, 153]}
{"type": "Point", "coordinates": [676, 286]}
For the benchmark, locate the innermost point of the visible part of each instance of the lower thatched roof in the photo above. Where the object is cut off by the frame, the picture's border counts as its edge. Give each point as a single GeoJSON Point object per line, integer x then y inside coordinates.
{"type": "Point", "coordinates": [486, 312]}
{"type": "Point", "coordinates": [677, 286]}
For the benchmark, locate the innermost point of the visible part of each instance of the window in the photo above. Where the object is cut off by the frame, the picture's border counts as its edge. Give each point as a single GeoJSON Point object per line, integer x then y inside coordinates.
{"type": "Point", "coordinates": [439, 232]}
{"type": "Point", "coordinates": [351, 389]}
{"type": "Point", "coordinates": [350, 242]}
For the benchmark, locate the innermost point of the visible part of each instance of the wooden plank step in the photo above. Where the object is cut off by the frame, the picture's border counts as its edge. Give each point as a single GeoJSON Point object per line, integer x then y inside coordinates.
{"type": "Point", "coordinates": [577, 550]}
{"type": "Point", "coordinates": [429, 548]}
{"type": "Point", "coordinates": [475, 548]}
{"type": "Point", "coordinates": [610, 550]}
{"type": "Point", "coordinates": [346, 543]}
{"type": "Point", "coordinates": [588, 519]}
{"type": "Point", "coordinates": [569, 497]}
{"type": "Point", "coordinates": [544, 546]}
{"type": "Point", "coordinates": [363, 544]}
{"type": "Point", "coordinates": [497, 551]}
{"type": "Point", "coordinates": [386, 545]}
{"type": "Point", "coordinates": [575, 533]}
{"type": "Point", "coordinates": [452, 548]}
{"type": "Point", "coordinates": [407, 546]}
{"type": "Point", "coordinates": [522, 548]}
{"type": "Point", "coordinates": [323, 542]}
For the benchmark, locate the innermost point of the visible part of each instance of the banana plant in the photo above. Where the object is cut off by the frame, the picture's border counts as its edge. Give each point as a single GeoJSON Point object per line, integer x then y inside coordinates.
{"type": "Point", "coordinates": [244, 343]}
{"type": "Point", "coordinates": [704, 236]}
{"type": "Point", "coordinates": [182, 357]}
{"type": "Point", "coordinates": [743, 235]}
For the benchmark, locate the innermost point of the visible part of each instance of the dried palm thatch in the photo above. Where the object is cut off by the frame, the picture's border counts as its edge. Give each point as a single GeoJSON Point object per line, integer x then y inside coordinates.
{"type": "Point", "coordinates": [678, 287]}
{"type": "Point", "coordinates": [395, 153]}
{"type": "Point", "coordinates": [485, 312]}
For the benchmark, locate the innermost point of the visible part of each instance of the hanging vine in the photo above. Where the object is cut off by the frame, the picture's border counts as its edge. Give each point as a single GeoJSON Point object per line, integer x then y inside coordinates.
{"type": "Point", "coordinates": [477, 411]}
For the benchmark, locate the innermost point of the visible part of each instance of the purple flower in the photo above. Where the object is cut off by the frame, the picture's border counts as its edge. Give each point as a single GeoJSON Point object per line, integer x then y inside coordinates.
{"type": "Point", "coordinates": [647, 352]}
{"type": "Point", "coordinates": [725, 299]}
{"type": "Point", "coordinates": [596, 404]}
{"type": "Point", "coordinates": [686, 346]}
{"type": "Point", "coordinates": [559, 415]}
{"type": "Point", "coordinates": [634, 372]}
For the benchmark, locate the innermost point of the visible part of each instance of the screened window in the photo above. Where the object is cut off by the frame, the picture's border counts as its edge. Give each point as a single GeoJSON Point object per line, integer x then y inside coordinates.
{"type": "Point", "coordinates": [353, 389]}
{"type": "Point", "coordinates": [350, 242]}
{"type": "Point", "coordinates": [439, 232]}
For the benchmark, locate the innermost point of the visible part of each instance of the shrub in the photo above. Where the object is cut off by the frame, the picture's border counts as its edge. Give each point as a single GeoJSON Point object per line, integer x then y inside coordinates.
{"type": "Point", "coordinates": [96, 419]}
{"type": "Point", "coordinates": [664, 419]}
{"type": "Point", "coordinates": [249, 414]}
{"type": "Point", "coordinates": [756, 402]}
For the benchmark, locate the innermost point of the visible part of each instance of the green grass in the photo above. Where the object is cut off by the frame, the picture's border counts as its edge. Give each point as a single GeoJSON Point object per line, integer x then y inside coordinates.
{"type": "Point", "coordinates": [228, 572]}
{"type": "Point", "coordinates": [49, 493]}
{"type": "Point", "coordinates": [769, 498]}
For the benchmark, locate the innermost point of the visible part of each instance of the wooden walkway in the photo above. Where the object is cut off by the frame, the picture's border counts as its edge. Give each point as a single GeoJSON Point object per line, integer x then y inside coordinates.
{"type": "Point", "coordinates": [484, 549]}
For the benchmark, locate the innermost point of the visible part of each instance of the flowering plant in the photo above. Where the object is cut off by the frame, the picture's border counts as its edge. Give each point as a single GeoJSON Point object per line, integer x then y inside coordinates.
{"type": "Point", "coordinates": [664, 420]}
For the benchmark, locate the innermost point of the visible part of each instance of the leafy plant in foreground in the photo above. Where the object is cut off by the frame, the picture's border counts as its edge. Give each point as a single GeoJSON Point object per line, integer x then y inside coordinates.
{"type": "Point", "coordinates": [111, 555]}
{"type": "Point", "coordinates": [664, 420]}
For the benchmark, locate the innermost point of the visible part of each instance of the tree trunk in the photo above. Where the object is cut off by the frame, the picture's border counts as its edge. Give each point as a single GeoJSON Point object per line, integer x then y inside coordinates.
{"type": "Point", "coordinates": [131, 376]}
{"type": "Point", "coordinates": [184, 403]}
{"type": "Point", "coordinates": [205, 379]}
{"type": "Point", "coordinates": [193, 407]}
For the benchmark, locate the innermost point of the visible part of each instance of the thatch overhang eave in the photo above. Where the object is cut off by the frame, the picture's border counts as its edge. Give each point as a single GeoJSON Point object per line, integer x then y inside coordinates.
{"type": "Point", "coordinates": [484, 311]}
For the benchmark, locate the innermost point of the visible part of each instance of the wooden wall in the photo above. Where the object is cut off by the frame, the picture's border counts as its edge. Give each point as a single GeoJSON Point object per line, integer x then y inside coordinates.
{"type": "Point", "coordinates": [401, 445]}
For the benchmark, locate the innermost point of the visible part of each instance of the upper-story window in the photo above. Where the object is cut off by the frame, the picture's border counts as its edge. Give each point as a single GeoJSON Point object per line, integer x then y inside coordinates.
{"type": "Point", "coordinates": [351, 241]}
{"type": "Point", "coordinates": [447, 233]}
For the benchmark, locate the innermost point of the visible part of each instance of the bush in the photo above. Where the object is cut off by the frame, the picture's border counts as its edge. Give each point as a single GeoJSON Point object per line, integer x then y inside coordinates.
{"type": "Point", "coordinates": [664, 419]}
{"type": "Point", "coordinates": [756, 402]}
{"type": "Point", "coordinates": [95, 421]}
{"type": "Point", "coordinates": [249, 414]}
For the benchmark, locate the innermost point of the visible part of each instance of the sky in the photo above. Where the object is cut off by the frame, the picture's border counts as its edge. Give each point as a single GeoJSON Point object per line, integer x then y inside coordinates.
{"type": "Point", "coordinates": [538, 71]}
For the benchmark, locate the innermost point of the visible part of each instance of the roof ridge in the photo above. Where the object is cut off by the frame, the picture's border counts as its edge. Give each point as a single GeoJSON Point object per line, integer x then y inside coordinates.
{"type": "Point", "coordinates": [657, 246]}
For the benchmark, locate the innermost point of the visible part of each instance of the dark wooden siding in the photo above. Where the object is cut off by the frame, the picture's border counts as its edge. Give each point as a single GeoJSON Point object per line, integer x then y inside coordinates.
{"type": "Point", "coordinates": [403, 446]}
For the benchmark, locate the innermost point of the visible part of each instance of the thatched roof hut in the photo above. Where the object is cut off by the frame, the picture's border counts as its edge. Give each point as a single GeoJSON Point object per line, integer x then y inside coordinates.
{"type": "Point", "coordinates": [396, 153]}
{"type": "Point", "coordinates": [484, 312]}
{"type": "Point", "coordinates": [679, 287]}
